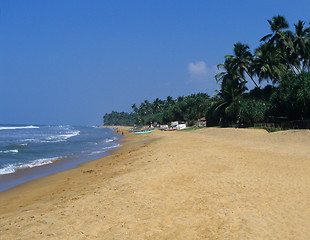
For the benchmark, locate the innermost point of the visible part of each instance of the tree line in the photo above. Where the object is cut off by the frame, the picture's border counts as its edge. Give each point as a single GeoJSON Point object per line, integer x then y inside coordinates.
{"type": "Point", "coordinates": [185, 108]}
{"type": "Point", "coordinates": [282, 60]}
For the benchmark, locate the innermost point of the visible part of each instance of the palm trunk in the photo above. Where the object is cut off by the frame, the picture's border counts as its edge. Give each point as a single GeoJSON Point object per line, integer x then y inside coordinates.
{"type": "Point", "coordinates": [251, 78]}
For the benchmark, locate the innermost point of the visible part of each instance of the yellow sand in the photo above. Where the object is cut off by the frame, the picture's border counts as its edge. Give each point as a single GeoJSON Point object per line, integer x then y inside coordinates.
{"type": "Point", "coordinates": [201, 184]}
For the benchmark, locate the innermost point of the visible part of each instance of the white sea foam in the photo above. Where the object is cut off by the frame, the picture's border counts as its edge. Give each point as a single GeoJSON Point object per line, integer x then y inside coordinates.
{"type": "Point", "coordinates": [11, 168]}
{"type": "Point", "coordinates": [110, 139]}
{"type": "Point", "coordinates": [114, 146]}
{"type": "Point", "coordinates": [40, 162]}
{"type": "Point", "coordinates": [104, 149]}
{"type": "Point", "coordinates": [17, 127]}
{"type": "Point", "coordinates": [7, 170]}
{"type": "Point", "coordinates": [53, 138]}
{"type": "Point", "coordinates": [61, 137]}
{"type": "Point", "coordinates": [96, 152]}
{"type": "Point", "coordinates": [69, 135]}
{"type": "Point", "coordinates": [9, 151]}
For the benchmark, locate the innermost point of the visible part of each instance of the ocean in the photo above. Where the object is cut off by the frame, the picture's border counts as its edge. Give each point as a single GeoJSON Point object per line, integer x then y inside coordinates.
{"type": "Point", "coordinates": [24, 147]}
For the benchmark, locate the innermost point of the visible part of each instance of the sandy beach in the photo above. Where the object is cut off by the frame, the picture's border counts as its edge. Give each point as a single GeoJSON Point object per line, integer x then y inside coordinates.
{"type": "Point", "coordinates": [209, 183]}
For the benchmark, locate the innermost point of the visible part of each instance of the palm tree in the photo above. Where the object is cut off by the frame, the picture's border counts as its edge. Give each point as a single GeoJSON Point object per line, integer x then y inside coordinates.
{"type": "Point", "coordinates": [277, 24]}
{"type": "Point", "coordinates": [157, 105]}
{"type": "Point", "coordinates": [142, 109]}
{"type": "Point", "coordinates": [242, 61]}
{"type": "Point", "coordinates": [232, 86]}
{"type": "Point", "coordinates": [134, 108]}
{"type": "Point", "coordinates": [148, 108]}
{"type": "Point", "coordinates": [169, 101]}
{"type": "Point", "coordinates": [267, 64]}
{"type": "Point", "coordinates": [180, 99]}
{"type": "Point", "coordinates": [230, 95]}
{"type": "Point", "coordinates": [302, 43]}
{"type": "Point", "coordinates": [283, 40]}
{"type": "Point", "coordinates": [228, 70]}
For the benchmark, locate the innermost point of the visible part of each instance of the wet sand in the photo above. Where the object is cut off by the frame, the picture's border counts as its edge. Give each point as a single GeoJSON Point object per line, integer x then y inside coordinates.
{"type": "Point", "coordinates": [201, 184]}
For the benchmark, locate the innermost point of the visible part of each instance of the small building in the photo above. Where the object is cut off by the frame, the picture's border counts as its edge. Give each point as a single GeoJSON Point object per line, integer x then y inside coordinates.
{"type": "Point", "coordinates": [202, 122]}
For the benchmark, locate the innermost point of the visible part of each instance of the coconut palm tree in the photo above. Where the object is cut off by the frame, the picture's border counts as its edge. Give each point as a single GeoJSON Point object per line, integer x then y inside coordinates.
{"type": "Point", "coordinates": [242, 61]}
{"type": "Point", "coordinates": [157, 105]}
{"type": "Point", "coordinates": [302, 43]}
{"type": "Point", "coordinates": [169, 101]}
{"type": "Point", "coordinates": [277, 24]}
{"type": "Point", "coordinates": [289, 53]}
{"type": "Point", "coordinates": [229, 98]}
{"type": "Point", "coordinates": [228, 71]}
{"type": "Point", "coordinates": [232, 86]}
{"type": "Point", "coordinates": [283, 40]}
{"type": "Point", "coordinates": [267, 64]}
{"type": "Point", "coordinates": [148, 107]}
{"type": "Point", "coordinates": [134, 108]}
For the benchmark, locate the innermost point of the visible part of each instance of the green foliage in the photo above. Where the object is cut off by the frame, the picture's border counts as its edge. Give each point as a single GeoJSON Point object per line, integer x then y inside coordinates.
{"type": "Point", "coordinates": [292, 97]}
{"type": "Point", "coordinates": [253, 111]}
{"type": "Point", "coordinates": [267, 63]}
{"type": "Point", "coordinates": [151, 118]}
{"type": "Point", "coordinates": [227, 103]}
{"type": "Point", "coordinates": [282, 58]}
{"type": "Point", "coordinates": [119, 119]}
{"type": "Point", "coordinates": [213, 115]}
{"type": "Point", "coordinates": [188, 108]}
{"type": "Point", "coordinates": [260, 94]}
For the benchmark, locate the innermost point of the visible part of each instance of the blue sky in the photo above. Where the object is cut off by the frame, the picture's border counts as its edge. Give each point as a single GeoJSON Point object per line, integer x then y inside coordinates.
{"type": "Point", "coordinates": [72, 61]}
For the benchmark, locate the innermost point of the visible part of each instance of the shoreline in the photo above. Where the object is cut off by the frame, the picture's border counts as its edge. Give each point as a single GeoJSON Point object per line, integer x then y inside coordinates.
{"type": "Point", "coordinates": [24, 175]}
{"type": "Point", "coordinates": [66, 164]}
{"type": "Point", "coordinates": [29, 192]}
{"type": "Point", "coordinates": [201, 184]}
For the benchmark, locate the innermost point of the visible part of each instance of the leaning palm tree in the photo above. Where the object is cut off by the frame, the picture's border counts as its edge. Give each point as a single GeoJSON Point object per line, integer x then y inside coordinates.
{"type": "Point", "coordinates": [242, 60]}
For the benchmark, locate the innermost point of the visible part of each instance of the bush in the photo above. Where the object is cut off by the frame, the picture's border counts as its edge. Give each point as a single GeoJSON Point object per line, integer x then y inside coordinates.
{"type": "Point", "coordinates": [253, 111]}
{"type": "Point", "coordinates": [292, 97]}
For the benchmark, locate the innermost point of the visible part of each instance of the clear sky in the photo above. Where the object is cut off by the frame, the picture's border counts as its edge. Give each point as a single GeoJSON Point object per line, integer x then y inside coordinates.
{"type": "Point", "coordinates": [72, 61]}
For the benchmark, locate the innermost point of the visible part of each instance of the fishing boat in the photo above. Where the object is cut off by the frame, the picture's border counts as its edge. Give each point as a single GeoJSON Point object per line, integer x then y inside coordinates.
{"type": "Point", "coordinates": [171, 129]}
{"type": "Point", "coordinates": [144, 131]}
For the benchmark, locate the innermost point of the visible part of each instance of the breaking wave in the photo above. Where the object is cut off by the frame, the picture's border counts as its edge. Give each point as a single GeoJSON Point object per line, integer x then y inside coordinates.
{"type": "Point", "coordinates": [17, 127]}
{"type": "Point", "coordinates": [11, 168]}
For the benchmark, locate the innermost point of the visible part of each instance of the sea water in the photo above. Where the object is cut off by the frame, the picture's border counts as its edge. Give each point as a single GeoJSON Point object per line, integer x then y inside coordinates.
{"type": "Point", "coordinates": [30, 146]}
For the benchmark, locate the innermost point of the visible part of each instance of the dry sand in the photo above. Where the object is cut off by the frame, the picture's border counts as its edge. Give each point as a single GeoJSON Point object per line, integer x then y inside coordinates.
{"type": "Point", "coordinates": [200, 184]}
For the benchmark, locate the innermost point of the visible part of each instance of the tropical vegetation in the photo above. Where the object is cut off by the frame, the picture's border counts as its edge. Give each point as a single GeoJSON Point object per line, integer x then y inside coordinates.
{"type": "Point", "coordinates": [280, 63]}
{"type": "Point", "coordinates": [188, 108]}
